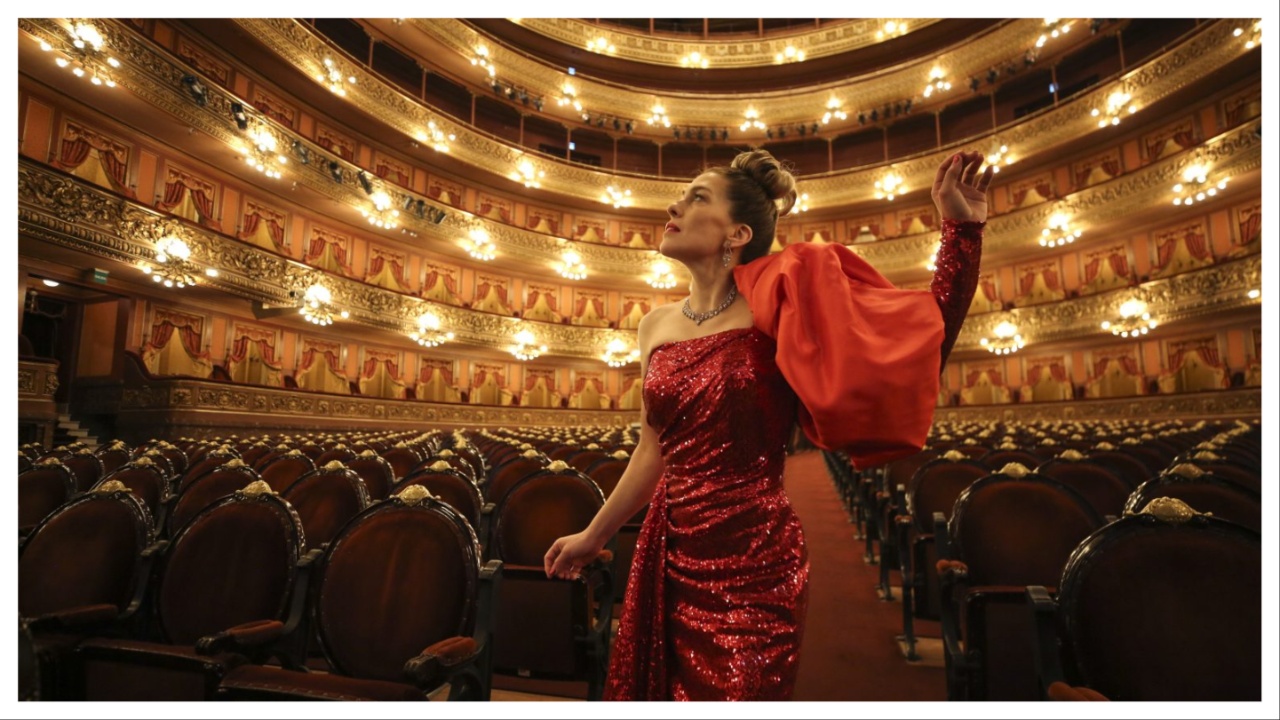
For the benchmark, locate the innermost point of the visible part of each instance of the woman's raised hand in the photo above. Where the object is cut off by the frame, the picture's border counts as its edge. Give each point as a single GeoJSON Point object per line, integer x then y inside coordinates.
{"type": "Point", "coordinates": [959, 191]}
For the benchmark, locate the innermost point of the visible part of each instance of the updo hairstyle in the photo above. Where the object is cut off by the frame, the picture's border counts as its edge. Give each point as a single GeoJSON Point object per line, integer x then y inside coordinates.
{"type": "Point", "coordinates": [760, 190]}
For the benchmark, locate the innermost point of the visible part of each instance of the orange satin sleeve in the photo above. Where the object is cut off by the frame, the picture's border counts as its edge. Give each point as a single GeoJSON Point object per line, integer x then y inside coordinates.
{"type": "Point", "coordinates": [861, 355]}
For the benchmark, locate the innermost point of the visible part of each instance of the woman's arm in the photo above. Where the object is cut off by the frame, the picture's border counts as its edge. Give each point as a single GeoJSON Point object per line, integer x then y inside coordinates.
{"type": "Point", "coordinates": [960, 194]}
{"type": "Point", "coordinates": [569, 554]}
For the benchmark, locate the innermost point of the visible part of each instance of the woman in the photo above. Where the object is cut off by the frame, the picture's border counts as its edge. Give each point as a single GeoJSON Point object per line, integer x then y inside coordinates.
{"type": "Point", "coordinates": [715, 604]}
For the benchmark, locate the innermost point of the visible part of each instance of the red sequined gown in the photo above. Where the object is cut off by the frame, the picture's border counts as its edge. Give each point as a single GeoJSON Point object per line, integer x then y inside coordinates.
{"type": "Point", "coordinates": [715, 604]}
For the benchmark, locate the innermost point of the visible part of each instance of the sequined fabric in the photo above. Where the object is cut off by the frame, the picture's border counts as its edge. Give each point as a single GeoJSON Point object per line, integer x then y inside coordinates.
{"type": "Point", "coordinates": [715, 604]}
{"type": "Point", "coordinates": [956, 278]}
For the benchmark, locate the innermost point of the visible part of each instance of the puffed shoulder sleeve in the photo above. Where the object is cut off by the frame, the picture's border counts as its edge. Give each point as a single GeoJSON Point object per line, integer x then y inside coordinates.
{"type": "Point", "coordinates": [862, 355]}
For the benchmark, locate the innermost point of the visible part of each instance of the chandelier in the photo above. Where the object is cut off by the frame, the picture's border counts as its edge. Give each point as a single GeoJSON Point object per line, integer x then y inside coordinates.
{"type": "Point", "coordinates": [1195, 187]}
{"type": "Point", "coordinates": [261, 154]}
{"type": "Point", "coordinates": [1059, 232]}
{"type": "Point", "coordinates": [1053, 27]}
{"type": "Point", "coordinates": [659, 116]}
{"type": "Point", "coordinates": [1255, 35]}
{"type": "Point", "coordinates": [660, 276]}
{"type": "Point", "coordinates": [479, 246]}
{"type": "Point", "coordinates": [788, 54]}
{"type": "Point", "coordinates": [84, 55]}
{"type": "Point", "coordinates": [617, 355]}
{"type": "Point", "coordinates": [695, 59]}
{"type": "Point", "coordinates": [527, 174]}
{"type": "Point", "coordinates": [835, 109]}
{"type": "Point", "coordinates": [1006, 340]}
{"type": "Point", "coordinates": [383, 215]}
{"type": "Point", "coordinates": [802, 204]}
{"type": "Point", "coordinates": [617, 197]}
{"type": "Point", "coordinates": [317, 306]}
{"type": "Point", "coordinates": [332, 78]}
{"type": "Point", "coordinates": [1117, 104]}
{"type": "Point", "coordinates": [481, 59]}
{"type": "Point", "coordinates": [437, 138]}
{"type": "Point", "coordinates": [752, 120]}
{"type": "Point", "coordinates": [525, 348]}
{"type": "Point", "coordinates": [891, 29]}
{"type": "Point", "coordinates": [569, 96]}
{"type": "Point", "coordinates": [428, 333]}
{"type": "Point", "coordinates": [571, 266]}
{"type": "Point", "coordinates": [997, 157]}
{"type": "Point", "coordinates": [889, 186]}
{"type": "Point", "coordinates": [601, 45]}
{"type": "Point", "coordinates": [938, 82]}
{"type": "Point", "coordinates": [1134, 320]}
{"type": "Point", "coordinates": [174, 267]}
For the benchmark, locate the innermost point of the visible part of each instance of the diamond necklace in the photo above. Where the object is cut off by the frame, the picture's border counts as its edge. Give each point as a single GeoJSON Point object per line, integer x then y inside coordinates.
{"type": "Point", "coordinates": [700, 317]}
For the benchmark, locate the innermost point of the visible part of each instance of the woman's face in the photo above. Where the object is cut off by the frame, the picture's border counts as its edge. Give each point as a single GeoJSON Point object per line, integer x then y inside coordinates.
{"type": "Point", "coordinates": [699, 221]}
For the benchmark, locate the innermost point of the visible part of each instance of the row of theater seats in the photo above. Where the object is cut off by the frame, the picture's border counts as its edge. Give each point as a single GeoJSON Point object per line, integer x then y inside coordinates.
{"type": "Point", "coordinates": [363, 567]}
{"type": "Point", "coordinates": [1160, 528]}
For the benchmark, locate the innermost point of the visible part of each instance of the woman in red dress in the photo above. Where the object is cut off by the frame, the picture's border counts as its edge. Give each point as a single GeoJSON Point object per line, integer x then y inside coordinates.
{"type": "Point", "coordinates": [715, 603]}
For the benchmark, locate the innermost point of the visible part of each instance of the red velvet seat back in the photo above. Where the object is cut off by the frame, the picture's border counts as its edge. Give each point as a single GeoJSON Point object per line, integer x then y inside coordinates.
{"type": "Point", "coordinates": [1155, 610]}
{"type": "Point", "coordinates": [41, 490]}
{"type": "Point", "coordinates": [113, 458]}
{"type": "Point", "coordinates": [998, 458]}
{"type": "Point", "coordinates": [1105, 492]}
{"type": "Point", "coordinates": [285, 470]}
{"type": "Point", "coordinates": [86, 468]}
{"type": "Point", "coordinates": [204, 491]}
{"type": "Point", "coordinates": [232, 564]}
{"type": "Point", "coordinates": [325, 501]}
{"type": "Point", "coordinates": [254, 453]}
{"type": "Point", "coordinates": [377, 473]}
{"type": "Point", "coordinates": [86, 553]}
{"type": "Point", "coordinates": [1019, 531]}
{"type": "Point", "coordinates": [479, 469]}
{"type": "Point", "coordinates": [582, 460]}
{"type": "Point", "coordinates": [606, 473]}
{"type": "Point", "coordinates": [935, 487]}
{"type": "Point", "coordinates": [541, 508]}
{"type": "Point", "coordinates": [403, 460]}
{"type": "Point", "coordinates": [146, 482]}
{"type": "Point", "coordinates": [1206, 494]}
{"type": "Point", "coordinates": [510, 473]}
{"type": "Point", "coordinates": [397, 579]}
{"type": "Point", "coordinates": [1128, 468]}
{"type": "Point", "coordinates": [452, 488]}
{"type": "Point", "coordinates": [900, 471]}
{"type": "Point", "coordinates": [204, 466]}
{"type": "Point", "coordinates": [342, 454]}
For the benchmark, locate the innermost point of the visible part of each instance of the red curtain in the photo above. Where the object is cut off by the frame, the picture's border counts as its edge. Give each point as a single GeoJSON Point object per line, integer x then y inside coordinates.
{"type": "Point", "coordinates": [1197, 245]}
{"type": "Point", "coordinates": [1164, 251]}
{"type": "Point", "coordinates": [1028, 282]}
{"type": "Point", "coordinates": [382, 170]}
{"type": "Point", "coordinates": [581, 305]}
{"type": "Point", "coordinates": [1056, 371]}
{"type": "Point", "coordinates": [370, 367]}
{"type": "Point", "coordinates": [266, 351]}
{"type": "Point", "coordinates": [1185, 138]}
{"type": "Point", "coordinates": [433, 278]}
{"type": "Point", "coordinates": [479, 378]}
{"type": "Point", "coordinates": [375, 264]}
{"type": "Point", "coordinates": [251, 221]}
{"type": "Point", "coordinates": [1119, 263]}
{"type": "Point", "coordinates": [188, 333]}
{"type": "Point", "coordinates": [532, 380]}
{"type": "Point", "coordinates": [309, 357]}
{"type": "Point", "coordinates": [1051, 279]}
{"type": "Point", "coordinates": [629, 383]}
{"type": "Point", "coordinates": [1128, 364]}
{"type": "Point", "coordinates": [173, 194]}
{"type": "Point", "coordinates": [1251, 227]}
{"type": "Point", "coordinates": [1091, 269]}
{"type": "Point", "coordinates": [425, 373]}
{"type": "Point", "coordinates": [204, 203]}
{"type": "Point", "coordinates": [1111, 166]}
{"type": "Point", "coordinates": [274, 228]}
{"type": "Point", "coordinates": [74, 152]}
{"type": "Point", "coordinates": [581, 384]}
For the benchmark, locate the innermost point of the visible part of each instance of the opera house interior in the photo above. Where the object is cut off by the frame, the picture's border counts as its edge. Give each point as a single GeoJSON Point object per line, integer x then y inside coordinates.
{"type": "Point", "coordinates": [328, 327]}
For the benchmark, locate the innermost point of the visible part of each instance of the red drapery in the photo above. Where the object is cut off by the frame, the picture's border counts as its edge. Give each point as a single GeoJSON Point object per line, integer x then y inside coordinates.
{"type": "Point", "coordinates": [1251, 227]}
{"type": "Point", "coordinates": [1042, 187]}
{"type": "Point", "coordinates": [581, 384]}
{"type": "Point", "coordinates": [1056, 370]}
{"type": "Point", "coordinates": [1111, 166]}
{"type": "Point", "coordinates": [1127, 363]}
{"type": "Point", "coordinates": [988, 287]}
{"type": "Point", "coordinates": [376, 262]}
{"type": "Point", "coordinates": [75, 150]}
{"type": "Point", "coordinates": [316, 249]}
{"type": "Point", "coordinates": [188, 332]}
{"type": "Point", "coordinates": [483, 290]}
{"type": "Point", "coordinates": [992, 374]}
{"type": "Point", "coordinates": [1028, 282]}
{"type": "Point", "coordinates": [481, 376]}
{"type": "Point", "coordinates": [266, 351]}
{"type": "Point", "coordinates": [1195, 242]}
{"type": "Point", "coordinates": [1185, 137]}
{"type": "Point", "coordinates": [426, 371]}
{"type": "Point", "coordinates": [384, 170]}
{"type": "Point", "coordinates": [532, 380]}
{"type": "Point", "coordinates": [629, 304]}
{"type": "Point", "coordinates": [1051, 278]}
{"type": "Point", "coordinates": [581, 305]}
{"type": "Point", "coordinates": [176, 188]}
{"type": "Point", "coordinates": [371, 367]}
{"type": "Point", "coordinates": [274, 228]}
{"type": "Point", "coordinates": [534, 294]}
{"type": "Point", "coordinates": [434, 276]}
{"type": "Point", "coordinates": [628, 383]}
{"type": "Point", "coordinates": [309, 357]}
{"type": "Point", "coordinates": [1208, 355]}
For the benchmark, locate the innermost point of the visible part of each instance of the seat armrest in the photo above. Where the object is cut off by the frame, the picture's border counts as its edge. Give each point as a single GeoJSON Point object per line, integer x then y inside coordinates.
{"type": "Point", "coordinates": [1061, 691]}
{"type": "Point", "coordinates": [79, 619]}
{"type": "Point", "coordinates": [941, 536]}
{"type": "Point", "coordinates": [432, 665]}
{"type": "Point", "coordinates": [1044, 611]}
{"type": "Point", "coordinates": [245, 639]}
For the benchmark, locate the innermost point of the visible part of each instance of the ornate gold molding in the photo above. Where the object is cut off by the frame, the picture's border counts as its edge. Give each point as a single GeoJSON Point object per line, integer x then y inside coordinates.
{"type": "Point", "coordinates": [1158, 78]}
{"type": "Point", "coordinates": [1244, 404]}
{"type": "Point", "coordinates": [831, 39]}
{"type": "Point", "coordinates": [37, 380]}
{"type": "Point", "coordinates": [804, 104]}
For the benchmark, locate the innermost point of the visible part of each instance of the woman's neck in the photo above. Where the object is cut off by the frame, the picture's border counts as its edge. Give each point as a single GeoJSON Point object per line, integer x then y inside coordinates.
{"type": "Point", "coordinates": [708, 288]}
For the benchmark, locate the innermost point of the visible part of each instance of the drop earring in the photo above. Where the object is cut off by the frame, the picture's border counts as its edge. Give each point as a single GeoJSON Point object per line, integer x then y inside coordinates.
{"type": "Point", "coordinates": [728, 255]}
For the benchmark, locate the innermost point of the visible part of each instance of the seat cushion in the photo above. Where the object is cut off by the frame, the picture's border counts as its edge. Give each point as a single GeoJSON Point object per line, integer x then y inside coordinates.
{"type": "Point", "coordinates": [119, 669]}
{"type": "Point", "coordinates": [256, 682]}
